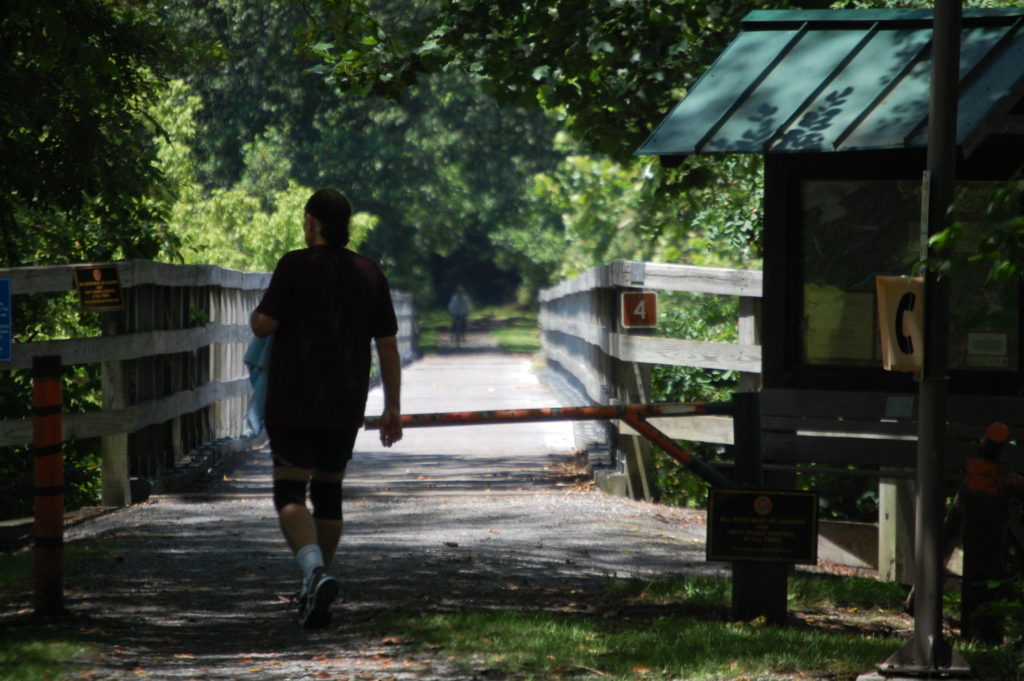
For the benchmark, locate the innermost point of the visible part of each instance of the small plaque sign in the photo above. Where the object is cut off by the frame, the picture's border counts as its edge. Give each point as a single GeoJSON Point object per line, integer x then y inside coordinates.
{"type": "Point", "coordinates": [6, 321]}
{"type": "Point", "coordinates": [99, 288]}
{"type": "Point", "coordinates": [639, 309]}
{"type": "Point", "coordinates": [762, 525]}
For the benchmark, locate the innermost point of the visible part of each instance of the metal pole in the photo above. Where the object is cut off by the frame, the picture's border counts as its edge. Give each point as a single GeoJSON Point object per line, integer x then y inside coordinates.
{"type": "Point", "coordinates": [928, 652]}
{"type": "Point", "coordinates": [931, 650]}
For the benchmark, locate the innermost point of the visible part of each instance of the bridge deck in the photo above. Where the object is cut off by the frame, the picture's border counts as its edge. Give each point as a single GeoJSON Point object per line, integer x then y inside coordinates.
{"type": "Point", "coordinates": [473, 459]}
{"type": "Point", "coordinates": [474, 518]}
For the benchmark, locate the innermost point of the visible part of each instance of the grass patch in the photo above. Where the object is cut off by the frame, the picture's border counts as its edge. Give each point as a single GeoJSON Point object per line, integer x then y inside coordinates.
{"type": "Point", "coordinates": [38, 653]}
{"type": "Point", "coordinates": [824, 591]}
{"type": "Point", "coordinates": [431, 322]}
{"type": "Point", "coordinates": [518, 335]}
{"type": "Point", "coordinates": [532, 646]}
{"type": "Point", "coordinates": [679, 629]}
{"type": "Point", "coordinates": [514, 328]}
{"type": "Point", "coordinates": [36, 649]}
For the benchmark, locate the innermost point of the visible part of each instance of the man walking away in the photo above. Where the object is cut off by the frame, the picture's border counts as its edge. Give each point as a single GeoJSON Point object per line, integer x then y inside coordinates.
{"type": "Point", "coordinates": [324, 305]}
{"type": "Point", "coordinates": [458, 308]}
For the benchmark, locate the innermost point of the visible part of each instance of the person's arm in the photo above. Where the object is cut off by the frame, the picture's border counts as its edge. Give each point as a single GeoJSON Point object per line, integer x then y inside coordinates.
{"type": "Point", "coordinates": [262, 325]}
{"type": "Point", "coordinates": [391, 381]}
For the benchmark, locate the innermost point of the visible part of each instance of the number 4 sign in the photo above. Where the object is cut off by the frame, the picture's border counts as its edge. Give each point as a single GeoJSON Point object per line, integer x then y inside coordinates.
{"type": "Point", "coordinates": [639, 309]}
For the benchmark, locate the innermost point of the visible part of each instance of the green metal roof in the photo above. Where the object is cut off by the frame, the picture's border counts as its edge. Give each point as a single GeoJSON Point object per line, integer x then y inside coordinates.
{"type": "Point", "coordinates": [838, 80]}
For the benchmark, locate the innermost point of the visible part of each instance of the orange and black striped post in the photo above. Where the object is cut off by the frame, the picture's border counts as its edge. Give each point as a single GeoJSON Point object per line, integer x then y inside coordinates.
{"type": "Point", "coordinates": [48, 526]}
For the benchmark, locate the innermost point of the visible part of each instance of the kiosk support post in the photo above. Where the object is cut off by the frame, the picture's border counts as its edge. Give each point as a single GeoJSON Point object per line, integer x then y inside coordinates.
{"type": "Point", "coordinates": [759, 589]}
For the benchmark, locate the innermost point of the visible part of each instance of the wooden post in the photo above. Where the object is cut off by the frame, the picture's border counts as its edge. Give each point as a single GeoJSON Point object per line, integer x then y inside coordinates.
{"type": "Point", "coordinates": [48, 525]}
{"type": "Point", "coordinates": [115, 487]}
{"type": "Point", "coordinates": [632, 381]}
{"type": "Point", "coordinates": [749, 324]}
{"type": "Point", "coordinates": [758, 589]}
{"type": "Point", "coordinates": [896, 530]}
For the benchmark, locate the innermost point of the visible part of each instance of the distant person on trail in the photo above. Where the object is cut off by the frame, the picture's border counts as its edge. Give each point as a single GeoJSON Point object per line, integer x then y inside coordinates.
{"type": "Point", "coordinates": [458, 308]}
{"type": "Point", "coordinates": [323, 306]}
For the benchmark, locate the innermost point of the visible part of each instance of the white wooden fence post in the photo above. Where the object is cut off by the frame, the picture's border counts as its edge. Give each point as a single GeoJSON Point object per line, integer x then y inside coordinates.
{"type": "Point", "coordinates": [115, 486]}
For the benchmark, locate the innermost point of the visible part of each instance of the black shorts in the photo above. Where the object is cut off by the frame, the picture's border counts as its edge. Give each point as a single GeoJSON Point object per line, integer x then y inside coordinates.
{"type": "Point", "coordinates": [327, 450]}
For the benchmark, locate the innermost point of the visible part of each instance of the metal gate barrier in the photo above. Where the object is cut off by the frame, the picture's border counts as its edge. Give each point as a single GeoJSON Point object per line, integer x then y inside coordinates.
{"type": "Point", "coordinates": [633, 414]}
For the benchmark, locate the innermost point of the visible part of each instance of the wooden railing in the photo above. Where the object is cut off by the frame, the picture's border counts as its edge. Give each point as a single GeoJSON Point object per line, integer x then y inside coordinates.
{"type": "Point", "coordinates": [172, 363]}
{"type": "Point", "coordinates": [583, 338]}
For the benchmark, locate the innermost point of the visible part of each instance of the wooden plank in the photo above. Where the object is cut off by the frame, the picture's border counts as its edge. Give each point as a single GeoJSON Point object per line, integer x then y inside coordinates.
{"type": "Point", "coordinates": [584, 331]}
{"type": "Point", "coordinates": [714, 429]}
{"type": "Point", "coordinates": [142, 272]}
{"type": "Point", "coordinates": [15, 432]}
{"type": "Point", "coordinates": [58, 278]}
{"type": "Point", "coordinates": [576, 365]}
{"type": "Point", "coordinates": [876, 429]}
{"type": "Point", "coordinates": [983, 410]}
{"type": "Point", "coordinates": [868, 452]}
{"type": "Point", "coordinates": [656, 350]}
{"type": "Point", "coordinates": [863, 406]}
{"type": "Point", "coordinates": [678, 352]}
{"type": "Point", "coordinates": [594, 278]}
{"type": "Point", "coordinates": [661, 276]}
{"type": "Point", "coordinates": [128, 346]}
{"type": "Point", "coordinates": [690, 278]}
{"type": "Point", "coordinates": [857, 405]}
{"type": "Point", "coordinates": [838, 451]}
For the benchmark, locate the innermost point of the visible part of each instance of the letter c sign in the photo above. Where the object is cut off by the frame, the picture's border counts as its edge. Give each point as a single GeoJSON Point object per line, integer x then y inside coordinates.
{"type": "Point", "coordinates": [901, 321]}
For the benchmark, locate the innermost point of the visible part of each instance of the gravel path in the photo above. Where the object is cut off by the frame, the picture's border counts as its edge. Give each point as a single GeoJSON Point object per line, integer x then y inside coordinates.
{"type": "Point", "coordinates": [474, 517]}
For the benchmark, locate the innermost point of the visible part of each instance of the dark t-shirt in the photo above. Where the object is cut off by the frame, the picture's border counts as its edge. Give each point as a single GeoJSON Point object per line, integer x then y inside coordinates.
{"type": "Point", "coordinates": [329, 303]}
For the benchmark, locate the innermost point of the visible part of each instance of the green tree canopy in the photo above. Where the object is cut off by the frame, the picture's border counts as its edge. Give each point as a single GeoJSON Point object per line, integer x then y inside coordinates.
{"type": "Point", "coordinates": [77, 181]}
{"type": "Point", "coordinates": [611, 69]}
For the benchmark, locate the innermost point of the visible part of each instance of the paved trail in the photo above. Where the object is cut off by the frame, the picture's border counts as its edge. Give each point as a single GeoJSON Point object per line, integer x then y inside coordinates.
{"type": "Point", "coordinates": [452, 518]}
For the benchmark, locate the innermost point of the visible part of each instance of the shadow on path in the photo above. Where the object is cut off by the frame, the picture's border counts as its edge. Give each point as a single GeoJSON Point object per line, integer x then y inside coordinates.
{"type": "Point", "coordinates": [198, 586]}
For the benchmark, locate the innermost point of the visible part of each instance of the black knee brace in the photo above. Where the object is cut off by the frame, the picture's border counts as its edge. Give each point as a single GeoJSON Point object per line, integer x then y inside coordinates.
{"type": "Point", "coordinates": [326, 499]}
{"type": "Point", "coordinates": [289, 492]}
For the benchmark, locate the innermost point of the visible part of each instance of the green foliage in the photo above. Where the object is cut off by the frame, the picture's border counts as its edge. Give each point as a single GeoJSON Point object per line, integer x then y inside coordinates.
{"type": "Point", "coordinates": [439, 170]}
{"type": "Point", "coordinates": [960, 247]}
{"type": "Point", "coordinates": [606, 73]}
{"type": "Point", "coordinates": [449, 142]}
{"type": "Point", "coordinates": [37, 318]}
{"type": "Point", "coordinates": [692, 317]}
{"type": "Point", "coordinates": [592, 210]}
{"type": "Point", "coordinates": [610, 69]}
{"type": "Point", "coordinates": [248, 226]}
{"type": "Point", "coordinates": [841, 497]}
{"type": "Point", "coordinates": [78, 182]}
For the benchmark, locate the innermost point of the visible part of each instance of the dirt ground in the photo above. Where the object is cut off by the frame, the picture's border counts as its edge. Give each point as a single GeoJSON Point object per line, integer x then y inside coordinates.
{"type": "Point", "coordinates": [199, 585]}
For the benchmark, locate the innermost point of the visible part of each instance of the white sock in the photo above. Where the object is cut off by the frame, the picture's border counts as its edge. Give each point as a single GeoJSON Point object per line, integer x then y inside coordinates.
{"type": "Point", "coordinates": [309, 558]}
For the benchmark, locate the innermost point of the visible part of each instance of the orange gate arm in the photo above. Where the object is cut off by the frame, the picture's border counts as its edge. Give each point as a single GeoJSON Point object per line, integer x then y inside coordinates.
{"type": "Point", "coordinates": [633, 414]}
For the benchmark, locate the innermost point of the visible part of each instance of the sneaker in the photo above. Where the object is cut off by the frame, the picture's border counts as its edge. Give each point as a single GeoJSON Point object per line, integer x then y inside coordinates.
{"type": "Point", "coordinates": [316, 599]}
